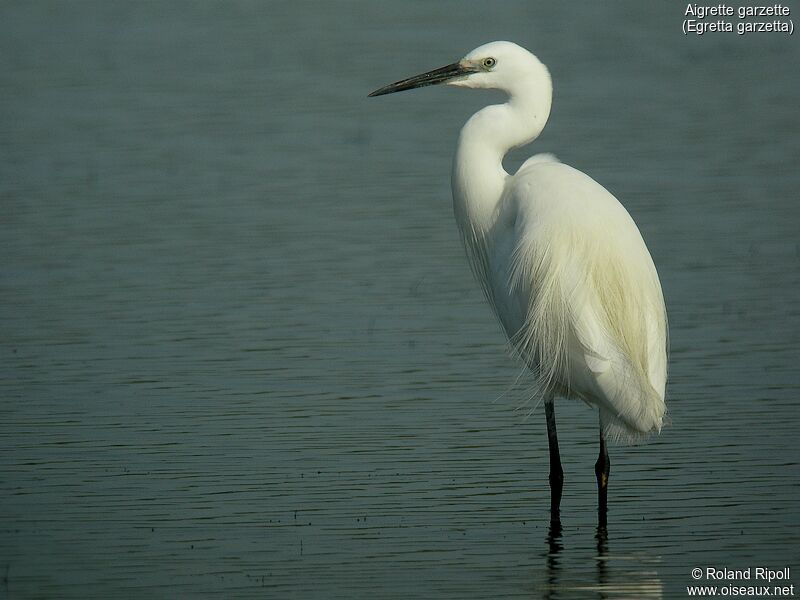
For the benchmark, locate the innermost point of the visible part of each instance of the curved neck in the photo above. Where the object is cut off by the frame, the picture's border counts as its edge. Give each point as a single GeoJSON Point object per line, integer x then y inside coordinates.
{"type": "Point", "coordinates": [478, 177]}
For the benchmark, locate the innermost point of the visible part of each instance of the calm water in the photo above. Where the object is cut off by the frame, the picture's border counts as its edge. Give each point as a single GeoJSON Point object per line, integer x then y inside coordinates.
{"type": "Point", "coordinates": [242, 352]}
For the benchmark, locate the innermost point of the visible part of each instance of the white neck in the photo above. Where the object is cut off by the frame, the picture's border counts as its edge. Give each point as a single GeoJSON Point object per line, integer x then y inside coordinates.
{"type": "Point", "coordinates": [478, 177]}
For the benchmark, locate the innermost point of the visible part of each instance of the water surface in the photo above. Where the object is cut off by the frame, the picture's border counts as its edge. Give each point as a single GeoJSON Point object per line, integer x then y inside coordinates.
{"type": "Point", "coordinates": [243, 355]}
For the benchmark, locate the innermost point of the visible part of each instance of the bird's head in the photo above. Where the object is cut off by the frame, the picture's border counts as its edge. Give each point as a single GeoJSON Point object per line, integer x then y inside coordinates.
{"type": "Point", "coordinates": [496, 65]}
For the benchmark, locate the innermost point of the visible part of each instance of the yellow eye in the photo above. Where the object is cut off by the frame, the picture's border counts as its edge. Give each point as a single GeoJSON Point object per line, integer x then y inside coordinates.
{"type": "Point", "coordinates": [489, 62]}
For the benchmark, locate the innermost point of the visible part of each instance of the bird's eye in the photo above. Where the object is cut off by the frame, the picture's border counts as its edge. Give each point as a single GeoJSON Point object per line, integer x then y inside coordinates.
{"type": "Point", "coordinates": [489, 62]}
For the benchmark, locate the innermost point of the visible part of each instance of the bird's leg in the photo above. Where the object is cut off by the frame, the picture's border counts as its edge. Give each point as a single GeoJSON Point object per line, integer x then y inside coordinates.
{"type": "Point", "coordinates": [602, 468]}
{"type": "Point", "coordinates": [556, 472]}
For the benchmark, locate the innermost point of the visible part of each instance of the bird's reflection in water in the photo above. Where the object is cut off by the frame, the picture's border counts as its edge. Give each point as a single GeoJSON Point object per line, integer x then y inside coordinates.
{"type": "Point", "coordinates": [601, 536]}
{"type": "Point", "coordinates": [618, 576]}
{"type": "Point", "coordinates": [555, 547]}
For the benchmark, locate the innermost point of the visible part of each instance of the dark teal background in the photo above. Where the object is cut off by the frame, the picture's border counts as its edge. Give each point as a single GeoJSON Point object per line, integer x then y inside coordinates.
{"type": "Point", "coordinates": [242, 353]}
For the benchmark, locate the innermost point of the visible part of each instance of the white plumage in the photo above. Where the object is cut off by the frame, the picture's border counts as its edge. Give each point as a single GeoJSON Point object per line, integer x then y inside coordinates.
{"type": "Point", "coordinates": [578, 295]}
{"type": "Point", "coordinates": [559, 258]}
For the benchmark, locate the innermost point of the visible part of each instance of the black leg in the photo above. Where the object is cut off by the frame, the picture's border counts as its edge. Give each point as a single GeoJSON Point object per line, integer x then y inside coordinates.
{"type": "Point", "coordinates": [602, 468]}
{"type": "Point", "coordinates": [556, 472]}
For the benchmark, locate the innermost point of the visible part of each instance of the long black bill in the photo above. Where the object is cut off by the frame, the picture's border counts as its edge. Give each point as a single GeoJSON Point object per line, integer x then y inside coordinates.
{"type": "Point", "coordinates": [439, 75]}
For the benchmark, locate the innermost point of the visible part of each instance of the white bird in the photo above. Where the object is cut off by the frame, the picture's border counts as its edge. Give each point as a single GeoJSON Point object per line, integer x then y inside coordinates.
{"type": "Point", "coordinates": [559, 259]}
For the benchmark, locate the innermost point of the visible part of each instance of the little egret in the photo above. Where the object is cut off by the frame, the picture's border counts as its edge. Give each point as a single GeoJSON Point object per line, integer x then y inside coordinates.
{"type": "Point", "coordinates": [559, 259]}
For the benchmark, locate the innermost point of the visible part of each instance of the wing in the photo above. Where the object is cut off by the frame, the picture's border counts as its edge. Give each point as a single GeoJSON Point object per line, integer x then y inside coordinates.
{"type": "Point", "coordinates": [595, 323]}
